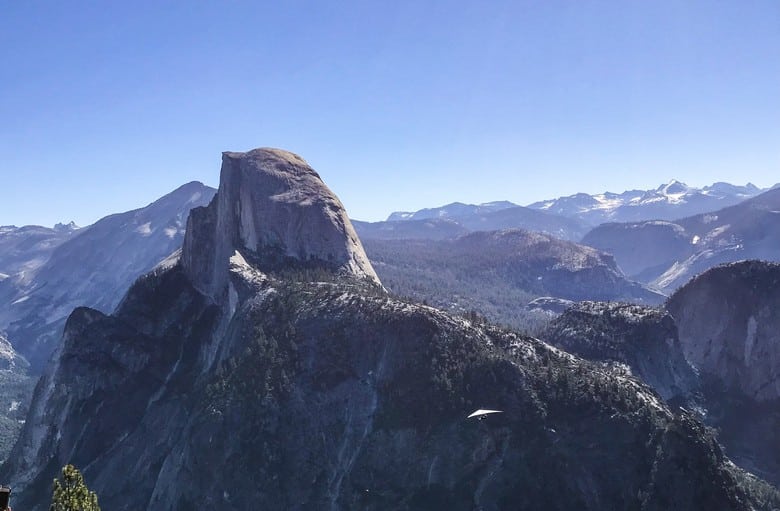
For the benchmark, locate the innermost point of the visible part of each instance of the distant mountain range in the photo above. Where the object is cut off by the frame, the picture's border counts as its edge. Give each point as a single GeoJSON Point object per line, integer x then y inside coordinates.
{"type": "Point", "coordinates": [667, 202]}
{"type": "Point", "coordinates": [455, 219]}
{"type": "Point", "coordinates": [667, 254]}
{"type": "Point", "coordinates": [454, 210]}
{"type": "Point", "coordinates": [566, 217]}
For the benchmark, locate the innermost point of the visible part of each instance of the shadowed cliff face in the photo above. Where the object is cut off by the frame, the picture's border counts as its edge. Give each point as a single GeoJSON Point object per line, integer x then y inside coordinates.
{"type": "Point", "coordinates": [274, 209]}
{"type": "Point", "coordinates": [729, 326]}
{"type": "Point", "coordinates": [730, 330]}
{"type": "Point", "coordinates": [298, 386]}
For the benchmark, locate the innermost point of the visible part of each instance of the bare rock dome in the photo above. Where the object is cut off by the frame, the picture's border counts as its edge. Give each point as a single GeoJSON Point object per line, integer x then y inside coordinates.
{"type": "Point", "coordinates": [276, 211]}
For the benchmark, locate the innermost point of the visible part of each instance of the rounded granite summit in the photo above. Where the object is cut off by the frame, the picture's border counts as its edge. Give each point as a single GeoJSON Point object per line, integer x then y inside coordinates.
{"type": "Point", "coordinates": [276, 211]}
{"type": "Point", "coordinates": [266, 157]}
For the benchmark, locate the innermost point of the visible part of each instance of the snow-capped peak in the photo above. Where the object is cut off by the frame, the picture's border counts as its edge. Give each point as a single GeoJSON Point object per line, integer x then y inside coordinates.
{"type": "Point", "coordinates": [673, 187]}
{"type": "Point", "coordinates": [669, 201]}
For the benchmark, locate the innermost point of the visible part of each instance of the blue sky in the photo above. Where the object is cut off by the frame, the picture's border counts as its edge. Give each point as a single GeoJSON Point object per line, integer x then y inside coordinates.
{"type": "Point", "coordinates": [106, 106]}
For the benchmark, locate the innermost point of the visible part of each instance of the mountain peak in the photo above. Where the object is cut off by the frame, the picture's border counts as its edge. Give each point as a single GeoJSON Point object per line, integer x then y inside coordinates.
{"type": "Point", "coordinates": [673, 187]}
{"type": "Point", "coordinates": [63, 227]}
{"type": "Point", "coordinates": [276, 211]}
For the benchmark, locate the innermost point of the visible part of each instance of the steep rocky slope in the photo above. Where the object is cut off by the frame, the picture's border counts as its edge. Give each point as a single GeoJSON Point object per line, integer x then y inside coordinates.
{"type": "Point", "coordinates": [28, 247]}
{"type": "Point", "coordinates": [667, 254]}
{"type": "Point", "coordinates": [643, 339]}
{"type": "Point", "coordinates": [23, 250]}
{"type": "Point", "coordinates": [730, 330]}
{"type": "Point", "coordinates": [94, 268]}
{"type": "Point", "coordinates": [16, 388]}
{"type": "Point", "coordinates": [497, 273]}
{"type": "Point", "coordinates": [729, 325]}
{"type": "Point", "coordinates": [256, 372]}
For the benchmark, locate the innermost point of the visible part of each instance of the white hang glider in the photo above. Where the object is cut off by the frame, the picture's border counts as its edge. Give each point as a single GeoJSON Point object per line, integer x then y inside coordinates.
{"type": "Point", "coordinates": [482, 413]}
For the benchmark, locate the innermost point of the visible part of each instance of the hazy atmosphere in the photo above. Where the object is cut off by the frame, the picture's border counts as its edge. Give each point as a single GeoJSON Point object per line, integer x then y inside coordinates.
{"type": "Point", "coordinates": [399, 105]}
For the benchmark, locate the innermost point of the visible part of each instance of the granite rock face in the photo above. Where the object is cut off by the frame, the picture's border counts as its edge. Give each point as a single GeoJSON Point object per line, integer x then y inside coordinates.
{"type": "Point", "coordinates": [284, 378]}
{"type": "Point", "coordinates": [275, 210]}
{"type": "Point", "coordinates": [730, 328]}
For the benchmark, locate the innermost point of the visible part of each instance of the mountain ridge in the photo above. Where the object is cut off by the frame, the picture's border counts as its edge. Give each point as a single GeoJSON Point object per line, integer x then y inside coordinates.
{"type": "Point", "coordinates": [666, 254]}
{"type": "Point", "coordinates": [308, 388]}
{"type": "Point", "coordinates": [76, 274]}
{"type": "Point", "coordinates": [666, 202]}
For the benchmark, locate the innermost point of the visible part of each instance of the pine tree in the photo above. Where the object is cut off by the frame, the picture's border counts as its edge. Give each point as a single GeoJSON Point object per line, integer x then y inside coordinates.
{"type": "Point", "coordinates": [71, 494]}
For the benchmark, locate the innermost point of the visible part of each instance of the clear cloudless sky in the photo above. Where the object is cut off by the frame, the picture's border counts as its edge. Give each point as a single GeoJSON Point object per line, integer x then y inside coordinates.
{"type": "Point", "coordinates": [399, 105]}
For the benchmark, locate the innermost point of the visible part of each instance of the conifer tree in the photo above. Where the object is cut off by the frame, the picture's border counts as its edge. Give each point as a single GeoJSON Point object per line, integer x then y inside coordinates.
{"type": "Point", "coordinates": [71, 493]}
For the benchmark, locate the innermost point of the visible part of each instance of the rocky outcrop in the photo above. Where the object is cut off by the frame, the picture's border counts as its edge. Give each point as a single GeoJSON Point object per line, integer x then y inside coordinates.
{"type": "Point", "coordinates": [730, 330]}
{"type": "Point", "coordinates": [297, 387]}
{"type": "Point", "coordinates": [642, 339]}
{"type": "Point", "coordinates": [275, 210]}
{"type": "Point", "coordinates": [729, 326]}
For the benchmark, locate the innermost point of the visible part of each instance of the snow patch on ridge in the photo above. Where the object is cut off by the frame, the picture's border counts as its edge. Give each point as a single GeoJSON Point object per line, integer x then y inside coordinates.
{"type": "Point", "coordinates": [144, 229]}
